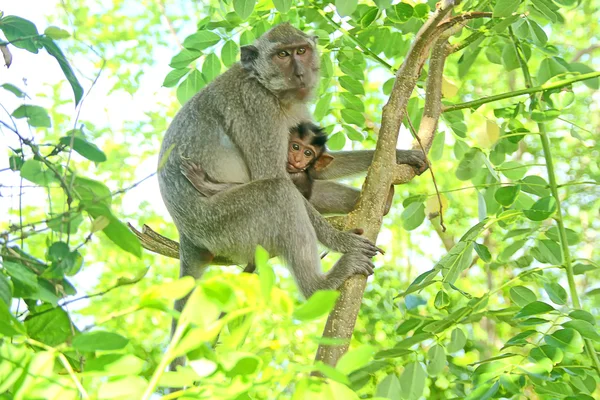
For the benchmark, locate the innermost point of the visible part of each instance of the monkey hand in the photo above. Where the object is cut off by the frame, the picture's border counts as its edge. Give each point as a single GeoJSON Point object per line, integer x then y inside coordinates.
{"type": "Point", "coordinates": [352, 242]}
{"type": "Point", "coordinates": [414, 158]}
{"type": "Point", "coordinates": [348, 265]}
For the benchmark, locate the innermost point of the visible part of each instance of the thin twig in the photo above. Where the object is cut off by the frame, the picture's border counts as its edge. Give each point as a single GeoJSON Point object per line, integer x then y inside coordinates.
{"type": "Point", "coordinates": [414, 133]}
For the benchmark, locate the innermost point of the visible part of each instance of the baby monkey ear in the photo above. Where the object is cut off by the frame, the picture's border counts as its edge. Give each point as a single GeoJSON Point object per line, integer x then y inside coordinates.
{"type": "Point", "coordinates": [248, 54]}
{"type": "Point", "coordinates": [323, 161]}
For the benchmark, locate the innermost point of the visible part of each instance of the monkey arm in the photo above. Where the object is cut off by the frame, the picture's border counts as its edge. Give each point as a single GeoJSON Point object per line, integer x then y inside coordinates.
{"type": "Point", "coordinates": [333, 198]}
{"type": "Point", "coordinates": [349, 163]}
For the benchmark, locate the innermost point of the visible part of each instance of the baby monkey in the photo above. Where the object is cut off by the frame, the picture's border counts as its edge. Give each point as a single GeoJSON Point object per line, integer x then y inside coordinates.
{"type": "Point", "coordinates": [306, 156]}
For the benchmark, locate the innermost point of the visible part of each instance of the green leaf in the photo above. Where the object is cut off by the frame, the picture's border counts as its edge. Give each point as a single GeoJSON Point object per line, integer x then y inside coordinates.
{"type": "Point", "coordinates": [244, 8]}
{"type": "Point", "coordinates": [14, 90]}
{"type": "Point", "coordinates": [519, 339]}
{"type": "Point", "coordinates": [345, 7]}
{"type": "Point", "coordinates": [319, 304]}
{"type": "Point", "coordinates": [175, 76]}
{"type": "Point", "coordinates": [506, 195]}
{"type": "Point", "coordinates": [9, 326]}
{"type": "Point", "coordinates": [20, 273]}
{"type": "Point", "coordinates": [352, 85]}
{"type": "Point", "coordinates": [437, 146]}
{"type": "Point", "coordinates": [129, 387]}
{"type": "Point", "coordinates": [583, 315]}
{"type": "Point", "coordinates": [283, 6]}
{"type": "Point", "coordinates": [90, 191]}
{"type": "Point", "coordinates": [547, 252]}
{"type": "Point", "coordinates": [19, 28]}
{"type": "Point", "coordinates": [56, 33]}
{"type": "Point", "coordinates": [568, 340]}
{"type": "Point", "coordinates": [99, 340]}
{"type": "Point", "coordinates": [557, 293]}
{"type": "Point", "coordinates": [6, 291]}
{"type": "Point", "coordinates": [184, 58]}
{"type": "Point", "coordinates": [522, 295]}
{"type": "Point", "coordinates": [552, 353]}
{"type": "Point", "coordinates": [549, 67]}
{"type": "Point", "coordinates": [535, 185]}
{"type": "Point", "coordinates": [456, 261]}
{"type": "Point", "coordinates": [322, 107]}
{"type": "Point", "coordinates": [572, 236]}
{"type": "Point", "coordinates": [389, 388]}
{"type": "Point", "coordinates": [437, 360]}
{"type": "Point", "coordinates": [537, 33]}
{"type": "Point", "coordinates": [485, 391]}
{"type": "Point", "coordinates": [113, 365]}
{"type": "Point", "coordinates": [350, 101]}
{"type": "Point", "coordinates": [116, 231]}
{"type": "Point", "coordinates": [586, 329]}
{"type": "Point", "coordinates": [413, 216]}
{"type": "Point", "coordinates": [336, 141]}
{"type": "Point", "coordinates": [50, 325]}
{"type": "Point", "coordinates": [592, 83]}
{"type": "Point", "coordinates": [401, 12]}
{"type": "Point", "coordinates": [55, 52]}
{"type": "Point", "coordinates": [412, 381]}
{"type": "Point", "coordinates": [200, 41]}
{"type": "Point", "coordinates": [513, 170]}
{"type": "Point", "coordinates": [458, 340]}
{"type": "Point", "coordinates": [170, 291]}
{"type": "Point", "coordinates": [369, 17]}
{"type": "Point", "coordinates": [353, 117]}
{"type": "Point", "coordinates": [84, 148]}
{"type": "Point", "coordinates": [353, 134]}
{"type": "Point", "coordinates": [355, 359]}
{"type": "Point", "coordinates": [36, 172]}
{"type": "Point", "coordinates": [442, 300]}
{"type": "Point", "coordinates": [190, 86]}
{"type": "Point", "coordinates": [36, 116]}
{"type": "Point", "coordinates": [383, 4]}
{"type": "Point", "coordinates": [505, 8]}
{"type": "Point", "coordinates": [470, 165]}
{"type": "Point", "coordinates": [211, 67]}
{"type": "Point", "coordinates": [534, 308]}
{"type": "Point", "coordinates": [265, 272]}
{"type": "Point", "coordinates": [541, 209]}
{"type": "Point", "coordinates": [229, 53]}
{"type": "Point", "coordinates": [483, 252]}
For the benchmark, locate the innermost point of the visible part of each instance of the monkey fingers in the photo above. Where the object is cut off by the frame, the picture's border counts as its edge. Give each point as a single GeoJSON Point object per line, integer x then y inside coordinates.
{"type": "Point", "coordinates": [360, 231]}
{"type": "Point", "coordinates": [351, 242]}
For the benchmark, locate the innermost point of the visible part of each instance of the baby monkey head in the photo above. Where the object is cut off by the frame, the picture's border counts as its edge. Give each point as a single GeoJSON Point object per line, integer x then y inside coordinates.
{"type": "Point", "coordinates": [307, 148]}
{"type": "Point", "coordinates": [286, 61]}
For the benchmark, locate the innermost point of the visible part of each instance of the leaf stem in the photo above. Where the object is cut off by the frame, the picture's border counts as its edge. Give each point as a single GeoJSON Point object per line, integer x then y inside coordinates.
{"type": "Point", "coordinates": [564, 244]}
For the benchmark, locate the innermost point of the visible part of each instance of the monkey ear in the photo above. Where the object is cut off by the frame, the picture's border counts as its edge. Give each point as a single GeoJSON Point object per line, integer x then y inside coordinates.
{"type": "Point", "coordinates": [248, 54]}
{"type": "Point", "coordinates": [323, 161]}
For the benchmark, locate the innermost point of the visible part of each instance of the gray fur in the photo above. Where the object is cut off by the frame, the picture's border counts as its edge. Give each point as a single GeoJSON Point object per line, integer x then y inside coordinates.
{"type": "Point", "coordinates": [236, 130]}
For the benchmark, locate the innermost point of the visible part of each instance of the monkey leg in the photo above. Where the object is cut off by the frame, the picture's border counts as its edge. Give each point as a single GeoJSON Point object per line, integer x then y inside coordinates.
{"type": "Point", "coordinates": [200, 181]}
{"type": "Point", "coordinates": [272, 214]}
{"type": "Point", "coordinates": [194, 261]}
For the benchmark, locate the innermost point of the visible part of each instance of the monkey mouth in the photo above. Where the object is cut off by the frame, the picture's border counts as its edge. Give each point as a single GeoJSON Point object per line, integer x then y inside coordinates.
{"type": "Point", "coordinates": [291, 169]}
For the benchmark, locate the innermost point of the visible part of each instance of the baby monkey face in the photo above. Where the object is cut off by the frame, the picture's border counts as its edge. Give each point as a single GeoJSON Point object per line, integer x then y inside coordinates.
{"type": "Point", "coordinates": [301, 153]}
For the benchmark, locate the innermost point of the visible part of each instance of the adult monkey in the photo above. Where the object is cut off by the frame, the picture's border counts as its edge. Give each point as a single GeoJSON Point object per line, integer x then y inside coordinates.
{"type": "Point", "coordinates": [237, 129]}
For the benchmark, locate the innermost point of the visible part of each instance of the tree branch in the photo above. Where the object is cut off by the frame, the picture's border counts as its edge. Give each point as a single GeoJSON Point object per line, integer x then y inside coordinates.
{"type": "Point", "coordinates": [369, 212]}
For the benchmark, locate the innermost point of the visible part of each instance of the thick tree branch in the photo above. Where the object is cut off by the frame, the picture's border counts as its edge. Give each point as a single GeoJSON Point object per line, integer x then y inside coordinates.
{"type": "Point", "coordinates": [369, 212]}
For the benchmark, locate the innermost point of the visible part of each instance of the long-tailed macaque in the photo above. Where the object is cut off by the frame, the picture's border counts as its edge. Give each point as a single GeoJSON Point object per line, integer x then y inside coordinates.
{"type": "Point", "coordinates": [236, 129]}
{"type": "Point", "coordinates": [306, 156]}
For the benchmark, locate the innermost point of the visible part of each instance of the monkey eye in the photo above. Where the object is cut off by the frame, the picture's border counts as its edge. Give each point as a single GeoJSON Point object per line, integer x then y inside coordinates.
{"type": "Point", "coordinates": [301, 50]}
{"type": "Point", "coordinates": [283, 54]}
{"type": "Point", "coordinates": [295, 146]}
{"type": "Point", "coordinates": [308, 153]}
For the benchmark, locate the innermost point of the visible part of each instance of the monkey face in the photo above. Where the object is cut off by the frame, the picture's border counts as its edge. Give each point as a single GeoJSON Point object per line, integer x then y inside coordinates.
{"type": "Point", "coordinates": [286, 61]}
{"type": "Point", "coordinates": [301, 155]}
